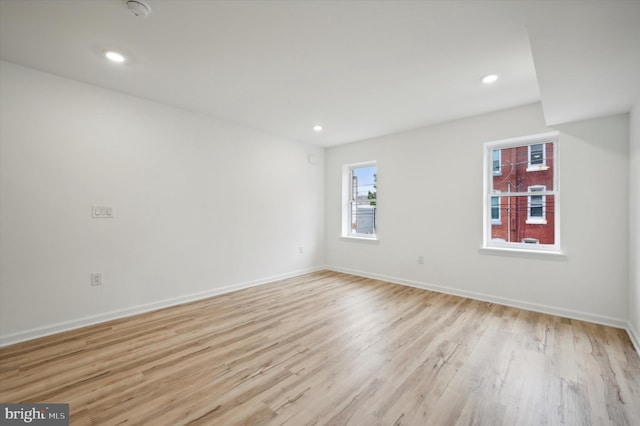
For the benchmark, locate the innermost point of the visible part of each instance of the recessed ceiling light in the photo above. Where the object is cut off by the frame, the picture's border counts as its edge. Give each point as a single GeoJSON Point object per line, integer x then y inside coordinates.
{"type": "Point", "coordinates": [114, 56]}
{"type": "Point", "coordinates": [491, 78]}
{"type": "Point", "coordinates": [317, 128]}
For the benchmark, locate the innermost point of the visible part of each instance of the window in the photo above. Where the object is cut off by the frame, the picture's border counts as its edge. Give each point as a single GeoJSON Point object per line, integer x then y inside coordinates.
{"type": "Point", "coordinates": [497, 171]}
{"type": "Point", "coordinates": [495, 210]}
{"type": "Point", "coordinates": [360, 196]}
{"type": "Point", "coordinates": [537, 157]}
{"type": "Point", "coordinates": [521, 210]}
{"type": "Point", "coordinates": [536, 211]}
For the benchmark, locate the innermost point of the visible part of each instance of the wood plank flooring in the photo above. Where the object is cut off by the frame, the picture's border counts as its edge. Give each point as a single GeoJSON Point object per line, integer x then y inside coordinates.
{"type": "Point", "coordinates": [335, 349]}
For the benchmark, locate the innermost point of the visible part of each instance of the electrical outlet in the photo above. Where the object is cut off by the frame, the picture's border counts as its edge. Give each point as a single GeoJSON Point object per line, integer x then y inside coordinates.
{"type": "Point", "coordinates": [96, 278]}
{"type": "Point", "coordinates": [102, 212]}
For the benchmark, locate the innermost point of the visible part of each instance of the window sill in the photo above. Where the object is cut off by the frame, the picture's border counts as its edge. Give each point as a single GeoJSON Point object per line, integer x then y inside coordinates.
{"type": "Point", "coordinates": [373, 239]}
{"type": "Point", "coordinates": [522, 252]}
{"type": "Point", "coordinates": [537, 168]}
{"type": "Point", "coordinates": [536, 222]}
{"type": "Point", "coordinates": [496, 222]}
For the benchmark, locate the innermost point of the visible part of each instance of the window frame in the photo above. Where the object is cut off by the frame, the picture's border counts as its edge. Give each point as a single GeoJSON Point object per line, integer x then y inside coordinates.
{"type": "Point", "coordinates": [347, 201]}
{"type": "Point", "coordinates": [488, 193]}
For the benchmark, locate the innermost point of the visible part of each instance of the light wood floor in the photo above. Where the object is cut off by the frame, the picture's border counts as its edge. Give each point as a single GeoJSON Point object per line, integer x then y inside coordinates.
{"type": "Point", "coordinates": [329, 348]}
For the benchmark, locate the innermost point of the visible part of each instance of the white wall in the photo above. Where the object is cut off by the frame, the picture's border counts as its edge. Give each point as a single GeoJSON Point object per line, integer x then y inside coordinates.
{"type": "Point", "coordinates": [200, 204]}
{"type": "Point", "coordinates": [430, 204]}
{"type": "Point", "coordinates": [634, 216]}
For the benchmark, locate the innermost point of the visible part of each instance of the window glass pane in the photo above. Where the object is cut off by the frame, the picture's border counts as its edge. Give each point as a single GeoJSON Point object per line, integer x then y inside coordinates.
{"type": "Point", "coordinates": [517, 174]}
{"type": "Point", "coordinates": [524, 221]}
{"type": "Point", "coordinates": [521, 190]}
{"type": "Point", "coordinates": [363, 200]}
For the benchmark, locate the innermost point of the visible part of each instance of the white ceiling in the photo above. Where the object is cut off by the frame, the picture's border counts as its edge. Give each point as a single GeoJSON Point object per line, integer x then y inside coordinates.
{"type": "Point", "coordinates": [587, 57]}
{"type": "Point", "coordinates": [360, 68]}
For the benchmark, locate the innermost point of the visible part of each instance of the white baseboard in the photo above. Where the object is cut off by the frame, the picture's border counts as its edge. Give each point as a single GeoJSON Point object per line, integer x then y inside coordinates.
{"type": "Point", "coordinates": [634, 336]}
{"type": "Point", "coordinates": [48, 330]}
{"type": "Point", "coordinates": [545, 309]}
{"type": "Point", "coordinates": [34, 333]}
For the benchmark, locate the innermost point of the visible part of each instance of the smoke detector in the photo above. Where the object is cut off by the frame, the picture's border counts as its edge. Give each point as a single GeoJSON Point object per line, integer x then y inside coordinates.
{"type": "Point", "coordinates": [139, 8]}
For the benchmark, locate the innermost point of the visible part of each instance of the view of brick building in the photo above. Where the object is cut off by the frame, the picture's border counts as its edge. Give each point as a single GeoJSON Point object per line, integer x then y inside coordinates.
{"type": "Point", "coordinates": [517, 214]}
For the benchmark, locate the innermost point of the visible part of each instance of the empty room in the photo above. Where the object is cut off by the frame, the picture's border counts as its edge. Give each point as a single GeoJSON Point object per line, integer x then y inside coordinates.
{"type": "Point", "coordinates": [319, 212]}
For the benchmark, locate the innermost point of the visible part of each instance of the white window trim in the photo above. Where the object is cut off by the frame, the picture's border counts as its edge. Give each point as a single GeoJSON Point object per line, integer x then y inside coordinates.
{"type": "Point", "coordinates": [537, 167]}
{"type": "Point", "coordinates": [535, 220]}
{"type": "Point", "coordinates": [499, 171]}
{"type": "Point", "coordinates": [497, 247]}
{"type": "Point", "coordinates": [346, 203]}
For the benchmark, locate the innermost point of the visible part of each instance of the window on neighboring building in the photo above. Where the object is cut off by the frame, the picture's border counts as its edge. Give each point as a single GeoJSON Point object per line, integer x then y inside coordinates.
{"type": "Point", "coordinates": [537, 158]}
{"type": "Point", "coordinates": [495, 211]}
{"type": "Point", "coordinates": [536, 212]}
{"type": "Point", "coordinates": [497, 171]}
{"type": "Point", "coordinates": [522, 207]}
{"type": "Point", "coordinates": [360, 195]}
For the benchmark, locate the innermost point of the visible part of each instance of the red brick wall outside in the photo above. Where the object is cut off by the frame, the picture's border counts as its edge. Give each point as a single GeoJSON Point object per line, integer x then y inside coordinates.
{"type": "Point", "coordinates": [514, 210]}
